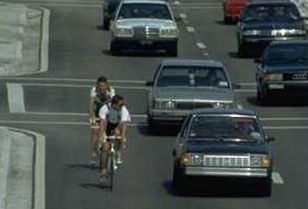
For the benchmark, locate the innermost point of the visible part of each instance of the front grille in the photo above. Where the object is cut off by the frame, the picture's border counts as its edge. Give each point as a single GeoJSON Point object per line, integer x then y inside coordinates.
{"type": "Point", "coordinates": [295, 76]}
{"type": "Point", "coordinates": [146, 32]}
{"type": "Point", "coordinates": [226, 161]}
{"type": "Point", "coordinates": [192, 105]}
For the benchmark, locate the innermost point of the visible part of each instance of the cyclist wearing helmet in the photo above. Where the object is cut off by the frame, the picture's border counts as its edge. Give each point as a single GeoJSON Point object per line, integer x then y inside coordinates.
{"type": "Point", "coordinates": [114, 121]}
{"type": "Point", "coordinates": [100, 94]}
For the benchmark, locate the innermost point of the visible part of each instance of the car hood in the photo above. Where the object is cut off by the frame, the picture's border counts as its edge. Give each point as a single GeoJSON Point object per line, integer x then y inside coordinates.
{"type": "Point", "coordinates": [223, 147]}
{"type": "Point", "coordinates": [287, 68]}
{"type": "Point", "coordinates": [143, 22]}
{"type": "Point", "coordinates": [270, 25]}
{"type": "Point", "coordinates": [191, 93]}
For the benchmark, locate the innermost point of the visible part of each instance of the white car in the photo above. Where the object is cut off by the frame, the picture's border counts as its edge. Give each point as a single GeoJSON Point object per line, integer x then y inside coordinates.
{"type": "Point", "coordinates": [144, 24]}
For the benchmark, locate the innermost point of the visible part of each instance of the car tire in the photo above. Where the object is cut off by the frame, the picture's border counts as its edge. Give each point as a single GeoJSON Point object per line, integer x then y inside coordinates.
{"type": "Point", "coordinates": [152, 126]}
{"type": "Point", "coordinates": [241, 50]}
{"type": "Point", "coordinates": [266, 189]}
{"type": "Point", "coordinates": [262, 97]}
{"type": "Point", "coordinates": [115, 49]}
{"type": "Point", "coordinates": [106, 24]}
{"type": "Point", "coordinates": [173, 50]}
{"type": "Point", "coordinates": [178, 182]}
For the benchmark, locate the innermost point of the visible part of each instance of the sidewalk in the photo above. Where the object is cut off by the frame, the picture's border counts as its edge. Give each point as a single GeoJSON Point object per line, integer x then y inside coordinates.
{"type": "Point", "coordinates": [23, 39]}
{"type": "Point", "coordinates": [21, 169]}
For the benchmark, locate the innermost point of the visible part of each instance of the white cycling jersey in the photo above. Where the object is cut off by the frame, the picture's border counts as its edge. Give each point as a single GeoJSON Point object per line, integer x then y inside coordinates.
{"type": "Point", "coordinates": [114, 116]}
{"type": "Point", "coordinates": [94, 93]}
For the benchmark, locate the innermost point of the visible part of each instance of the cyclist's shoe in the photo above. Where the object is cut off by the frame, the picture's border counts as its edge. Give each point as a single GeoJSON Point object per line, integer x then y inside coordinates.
{"type": "Point", "coordinates": [118, 158]}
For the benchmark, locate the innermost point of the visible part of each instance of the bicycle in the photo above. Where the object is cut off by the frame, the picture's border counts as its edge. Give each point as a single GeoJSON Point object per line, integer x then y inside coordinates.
{"type": "Point", "coordinates": [111, 158]}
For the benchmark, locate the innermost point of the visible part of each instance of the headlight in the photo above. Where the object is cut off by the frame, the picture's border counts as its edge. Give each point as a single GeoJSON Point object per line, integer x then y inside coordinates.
{"type": "Point", "coordinates": [273, 77]}
{"type": "Point", "coordinates": [123, 32]}
{"type": "Point", "coordinates": [222, 105]}
{"type": "Point", "coordinates": [191, 159]}
{"type": "Point", "coordinates": [161, 104]}
{"type": "Point", "coordinates": [168, 32]}
{"type": "Point", "coordinates": [283, 32]}
{"type": "Point", "coordinates": [184, 160]}
{"type": "Point", "coordinates": [260, 161]}
{"type": "Point", "coordinates": [251, 32]}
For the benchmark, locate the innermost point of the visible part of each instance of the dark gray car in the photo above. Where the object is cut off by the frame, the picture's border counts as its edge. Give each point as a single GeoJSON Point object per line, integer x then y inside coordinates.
{"type": "Point", "coordinates": [180, 86]}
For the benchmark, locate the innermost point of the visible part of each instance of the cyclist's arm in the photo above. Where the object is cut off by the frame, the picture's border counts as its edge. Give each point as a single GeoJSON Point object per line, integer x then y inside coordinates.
{"type": "Point", "coordinates": [125, 121]}
{"type": "Point", "coordinates": [91, 107]}
{"type": "Point", "coordinates": [103, 112]}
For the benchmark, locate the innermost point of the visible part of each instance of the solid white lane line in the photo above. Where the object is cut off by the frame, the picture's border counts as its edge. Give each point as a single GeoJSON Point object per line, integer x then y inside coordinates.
{"type": "Point", "coordinates": [15, 95]}
{"type": "Point", "coordinates": [82, 86]}
{"type": "Point", "coordinates": [70, 80]}
{"type": "Point", "coordinates": [276, 178]}
{"type": "Point", "coordinates": [176, 3]}
{"type": "Point", "coordinates": [285, 128]}
{"type": "Point", "coordinates": [201, 45]}
{"type": "Point", "coordinates": [190, 29]}
{"type": "Point", "coordinates": [206, 54]}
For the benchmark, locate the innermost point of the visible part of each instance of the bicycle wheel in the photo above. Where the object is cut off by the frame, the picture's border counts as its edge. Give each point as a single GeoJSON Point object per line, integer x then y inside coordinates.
{"type": "Point", "coordinates": [111, 170]}
{"type": "Point", "coordinates": [100, 155]}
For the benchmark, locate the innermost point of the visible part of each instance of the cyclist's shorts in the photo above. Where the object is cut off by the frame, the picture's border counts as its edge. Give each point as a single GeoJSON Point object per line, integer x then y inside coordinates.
{"type": "Point", "coordinates": [110, 128]}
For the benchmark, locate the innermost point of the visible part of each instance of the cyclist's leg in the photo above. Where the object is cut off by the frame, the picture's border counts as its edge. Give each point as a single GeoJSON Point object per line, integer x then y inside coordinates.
{"type": "Point", "coordinates": [95, 130]}
{"type": "Point", "coordinates": [105, 150]}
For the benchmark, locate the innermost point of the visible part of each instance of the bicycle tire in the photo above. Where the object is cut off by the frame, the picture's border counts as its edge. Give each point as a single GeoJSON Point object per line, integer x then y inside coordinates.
{"type": "Point", "coordinates": [111, 170]}
{"type": "Point", "coordinates": [100, 155]}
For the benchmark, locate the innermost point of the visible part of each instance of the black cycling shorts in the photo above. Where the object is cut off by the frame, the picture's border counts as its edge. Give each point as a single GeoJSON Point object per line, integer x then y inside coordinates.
{"type": "Point", "coordinates": [110, 128]}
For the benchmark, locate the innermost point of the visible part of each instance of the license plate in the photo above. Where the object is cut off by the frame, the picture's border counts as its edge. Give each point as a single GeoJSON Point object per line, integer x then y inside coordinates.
{"type": "Point", "coordinates": [276, 86]}
{"type": "Point", "coordinates": [299, 76]}
{"type": "Point", "coordinates": [146, 42]}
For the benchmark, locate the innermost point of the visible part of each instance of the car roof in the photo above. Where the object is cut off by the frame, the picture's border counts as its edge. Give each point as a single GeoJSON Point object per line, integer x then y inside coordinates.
{"type": "Point", "coordinates": [192, 62]}
{"type": "Point", "coordinates": [145, 1]}
{"type": "Point", "coordinates": [204, 111]}
{"type": "Point", "coordinates": [286, 42]}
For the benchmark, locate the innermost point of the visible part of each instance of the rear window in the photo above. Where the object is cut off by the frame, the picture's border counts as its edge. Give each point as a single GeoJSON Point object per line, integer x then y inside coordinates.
{"type": "Point", "coordinates": [193, 76]}
{"type": "Point", "coordinates": [143, 10]}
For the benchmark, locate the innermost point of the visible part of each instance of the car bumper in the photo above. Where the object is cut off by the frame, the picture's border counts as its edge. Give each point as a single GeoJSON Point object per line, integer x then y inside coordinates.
{"type": "Point", "coordinates": [255, 41]}
{"type": "Point", "coordinates": [226, 172]}
{"type": "Point", "coordinates": [287, 86]}
{"type": "Point", "coordinates": [168, 116]}
{"type": "Point", "coordinates": [133, 43]}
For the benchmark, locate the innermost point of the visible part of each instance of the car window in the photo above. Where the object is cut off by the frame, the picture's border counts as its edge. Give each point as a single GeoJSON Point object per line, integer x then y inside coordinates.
{"type": "Point", "coordinates": [143, 10]}
{"type": "Point", "coordinates": [286, 53]}
{"type": "Point", "coordinates": [271, 12]}
{"type": "Point", "coordinates": [225, 127]}
{"type": "Point", "coordinates": [193, 76]}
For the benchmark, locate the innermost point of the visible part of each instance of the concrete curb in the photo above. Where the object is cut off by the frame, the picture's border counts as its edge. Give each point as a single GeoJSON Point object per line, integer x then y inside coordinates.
{"type": "Point", "coordinates": [4, 172]}
{"type": "Point", "coordinates": [39, 167]}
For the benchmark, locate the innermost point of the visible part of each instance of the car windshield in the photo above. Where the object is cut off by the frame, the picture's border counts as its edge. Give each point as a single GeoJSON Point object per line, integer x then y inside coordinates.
{"type": "Point", "coordinates": [262, 13]}
{"type": "Point", "coordinates": [236, 128]}
{"type": "Point", "coordinates": [193, 76]}
{"type": "Point", "coordinates": [143, 10]}
{"type": "Point", "coordinates": [286, 54]}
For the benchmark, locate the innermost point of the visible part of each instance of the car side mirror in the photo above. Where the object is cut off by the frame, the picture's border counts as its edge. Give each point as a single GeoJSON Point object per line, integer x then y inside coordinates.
{"type": "Point", "coordinates": [236, 86]}
{"type": "Point", "coordinates": [149, 83]}
{"type": "Point", "coordinates": [270, 138]}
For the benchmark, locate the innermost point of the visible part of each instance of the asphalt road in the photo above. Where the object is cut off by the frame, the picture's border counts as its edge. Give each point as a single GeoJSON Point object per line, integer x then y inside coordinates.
{"type": "Point", "coordinates": [56, 105]}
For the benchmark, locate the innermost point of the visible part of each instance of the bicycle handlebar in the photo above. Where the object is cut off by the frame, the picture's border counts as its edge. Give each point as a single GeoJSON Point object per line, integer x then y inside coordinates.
{"type": "Point", "coordinates": [113, 137]}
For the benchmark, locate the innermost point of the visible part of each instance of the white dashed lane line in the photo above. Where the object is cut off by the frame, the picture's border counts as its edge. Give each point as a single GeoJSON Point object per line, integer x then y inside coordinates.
{"type": "Point", "coordinates": [276, 178]}
{"type": "Point", "coordinates": [15, 95]}
{"type": "Point", "coordinates": [201, 45]}
{"type": "Point", "coordinates": [183, 15]}
{"type": "Point", "coordinates": [190, 29]}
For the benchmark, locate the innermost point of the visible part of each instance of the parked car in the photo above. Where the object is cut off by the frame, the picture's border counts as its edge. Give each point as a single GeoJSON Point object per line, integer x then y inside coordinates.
{"type": "Point", "coordinates": [263, 22]}
{"type": "Point", "coordinates": [283, 68]}
{"type": "Point", "coordinates": [226, 145]}
{"type": "Point", "coordinates": [181, 85]}
{"type": "Point", "coordinates": [109, 9]}
{"type": "Point", "coordinates": [232, 10]}
{"type": "Point", "coordinates": [144, 24]}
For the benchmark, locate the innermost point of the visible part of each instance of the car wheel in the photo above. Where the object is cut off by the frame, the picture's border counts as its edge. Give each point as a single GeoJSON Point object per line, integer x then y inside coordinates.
{"type": "Point", "coordinates": [152, 126]}
{"type": "Point", "coordinates": [114, 48]}
{"type": "Point", "coordinates": [241, 50]}
{"type": "Point", "coordinates": [262, 97]}
{"type": "Point", "coordinates": [173, 50]}
{"type": "Point", "coordinates": [178, 182]}
{"type": "Point", "coordinates": [266, 189]}
{"type": "Point", "coordinates": [106, 24]}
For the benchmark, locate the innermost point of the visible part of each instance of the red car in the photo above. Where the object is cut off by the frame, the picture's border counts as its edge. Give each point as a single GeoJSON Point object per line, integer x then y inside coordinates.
{"type": "Point", "coordinates": [233, 9]}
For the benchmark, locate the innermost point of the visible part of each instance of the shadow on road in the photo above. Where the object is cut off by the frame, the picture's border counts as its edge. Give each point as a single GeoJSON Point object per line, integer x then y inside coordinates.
{"type": "Point", "coordinates": [281, 101]}
{"type": "Point", "coordinates": [95, 186]}
{"type": "Point", "coordinates": [83, 166]}
{"type": "Point", "coordinates": [137, 53]}
{"type": "Point", "coordinates": [161, 130]}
